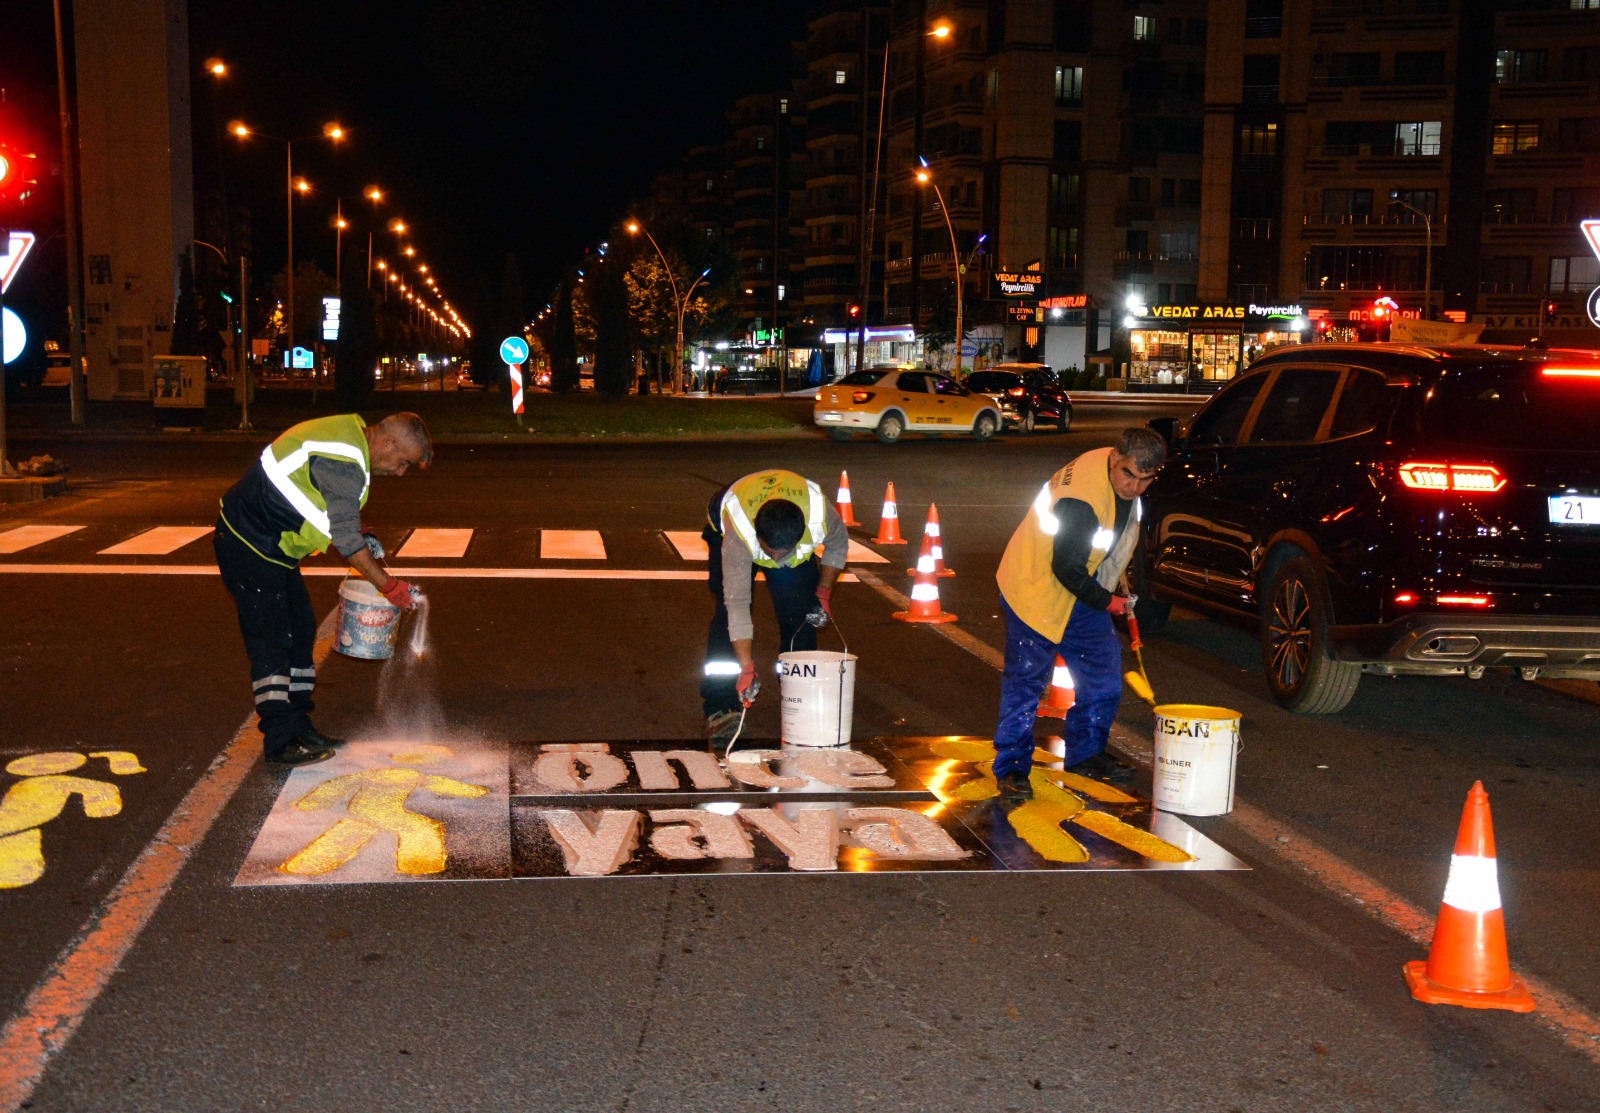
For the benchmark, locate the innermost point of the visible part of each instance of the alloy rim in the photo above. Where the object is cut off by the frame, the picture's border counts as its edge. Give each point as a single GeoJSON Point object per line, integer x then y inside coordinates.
{"type": "Point", "coordinates": [1289, 634]}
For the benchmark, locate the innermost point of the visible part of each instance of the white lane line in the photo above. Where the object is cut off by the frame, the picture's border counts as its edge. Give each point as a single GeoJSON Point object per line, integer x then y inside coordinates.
{"type": "Point", "coordinates": [1564, 1016]}
{"type": "Point", "coordinates": [420, 573]}
{"type": "Point", "coordinates": [436, 543]}
{"type": "Point", "coordinates": [860, 554]}
{"type": "Point", "coordinates": [56, 1006]}
{"type": "Point", "coordinates": [158, 541]}
{"type": "Point", "coordinates": [571, 544]}
{"type": "Point", "coordinates": [689, 543]}
{"type": "Point", "coordinates": [26, 537]}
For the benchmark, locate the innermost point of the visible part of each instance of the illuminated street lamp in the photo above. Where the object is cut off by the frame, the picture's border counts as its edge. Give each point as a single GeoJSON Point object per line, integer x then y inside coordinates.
{"type": "Point", "coordinates": [375, 195]}
{"type": "Point", "coordinates": [216, 67]}
{"type": "Point", "coordinates": [331, 131]}
{"type": "Point", "coordinates": [1427, 264]}
{"type": "Point", "coordinates": [681, 302]}
{"type": "Point", "coordinates": [925, 178]}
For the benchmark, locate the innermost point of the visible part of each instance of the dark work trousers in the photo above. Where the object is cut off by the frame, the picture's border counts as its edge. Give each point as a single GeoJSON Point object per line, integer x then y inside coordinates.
{"type": "Point", "coordinates": [794, 593]}
{"type": "Point", "coordinates": [279, 627]}
{"type": "Point", "coordinates": [1093, 656]}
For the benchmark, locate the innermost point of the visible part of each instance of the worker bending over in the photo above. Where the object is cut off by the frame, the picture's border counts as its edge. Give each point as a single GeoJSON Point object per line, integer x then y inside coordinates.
{"type": "Point", "coordinates": [1057, 581]}
{"type": "Point", "coordinates": [304, 495]}
{"type": "Point", "coordinates": [777, 520]}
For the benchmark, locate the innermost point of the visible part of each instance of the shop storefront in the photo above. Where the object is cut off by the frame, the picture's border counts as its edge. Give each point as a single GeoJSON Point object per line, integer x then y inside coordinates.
{"type": "Point", "coordinates": [1180, 345]}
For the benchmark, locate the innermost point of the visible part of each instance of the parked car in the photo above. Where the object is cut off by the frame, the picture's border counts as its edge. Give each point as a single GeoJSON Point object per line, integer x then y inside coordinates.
{"type": "Point", "coordinates": [1029, 394]}
{"type": "Point", "coordinates": [890, 402]}
{"type": "Point", "coordinates": [1391, 509]}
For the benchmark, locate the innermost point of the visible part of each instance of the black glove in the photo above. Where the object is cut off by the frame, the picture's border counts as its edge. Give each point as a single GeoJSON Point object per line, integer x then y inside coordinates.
{"type": "Point", "coordinates": [374, 546]}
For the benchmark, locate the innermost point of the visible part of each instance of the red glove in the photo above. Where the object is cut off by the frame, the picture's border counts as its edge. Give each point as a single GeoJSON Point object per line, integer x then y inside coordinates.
{"type": "Point", "coordinates": [825, 597]}
{"type": "Point", "coordinates": [398, 592]}
{"type": "Point", "coordinates": [1118, 604]}
{"type": "Point", "coordinates": [747, 677]}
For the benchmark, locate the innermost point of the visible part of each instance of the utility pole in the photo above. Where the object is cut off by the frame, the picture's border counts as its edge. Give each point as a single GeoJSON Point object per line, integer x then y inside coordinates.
{"type": "Point", "coordinates": [69, 190]}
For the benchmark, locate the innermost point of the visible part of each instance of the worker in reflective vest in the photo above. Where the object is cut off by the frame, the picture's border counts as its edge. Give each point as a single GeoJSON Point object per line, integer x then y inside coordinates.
{"type": "Point", "coordinates": [1057, 593]}
{"type": "Point", "coordinates": [304, 495]}
{"type": "Point", "coordinates": [777, 521]}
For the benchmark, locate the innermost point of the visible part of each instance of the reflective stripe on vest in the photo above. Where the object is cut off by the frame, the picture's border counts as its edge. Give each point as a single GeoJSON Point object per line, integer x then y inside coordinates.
{"type": "Point", "coordinates": [281, 474]}
{"type": "Point", "coordinates": [816, 523]}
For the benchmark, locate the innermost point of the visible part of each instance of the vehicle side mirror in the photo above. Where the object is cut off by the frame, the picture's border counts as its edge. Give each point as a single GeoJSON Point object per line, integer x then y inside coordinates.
{"type": "Point", "coordinates": [1166, 428]}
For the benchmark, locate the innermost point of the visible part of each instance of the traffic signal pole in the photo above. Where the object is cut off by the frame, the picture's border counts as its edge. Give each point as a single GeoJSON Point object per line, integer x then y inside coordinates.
{"type": "Point", "coordinates": [69, 188]}
{"type": "Point", "coordinates": [6, 470]}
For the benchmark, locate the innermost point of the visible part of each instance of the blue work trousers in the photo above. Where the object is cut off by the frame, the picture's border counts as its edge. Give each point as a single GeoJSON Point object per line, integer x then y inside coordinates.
{"type": "Point", "coordinates": [1093, 655]}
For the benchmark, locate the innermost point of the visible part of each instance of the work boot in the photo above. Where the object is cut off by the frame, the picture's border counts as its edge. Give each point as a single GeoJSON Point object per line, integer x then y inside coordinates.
{"type": "Point", "coordinates": [1014, 787]}
{"type": "Point", "coordinates": [1103, 767]}
{"type": "Point", "coordinates": [722, 726]}
{"type": "Point", "coordinates": [300, 752]}
{"type": "Point", "coordinates": [315, 737]}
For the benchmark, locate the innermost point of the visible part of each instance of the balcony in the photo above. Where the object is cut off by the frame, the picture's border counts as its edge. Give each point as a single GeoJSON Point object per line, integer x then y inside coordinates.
{"type": "Point", "coordinates": [1254, 228]}
{"type": "Point", "coordinates": [1260, 94]}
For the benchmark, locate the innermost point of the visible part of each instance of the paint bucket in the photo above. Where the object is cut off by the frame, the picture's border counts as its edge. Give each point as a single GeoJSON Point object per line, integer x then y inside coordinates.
{"type": "Point", "coordinates": [368, 623]}
{"type": "Point", "coordinates": [818, 695]}
{"type": "Point", "coordinates": [1196, 751]}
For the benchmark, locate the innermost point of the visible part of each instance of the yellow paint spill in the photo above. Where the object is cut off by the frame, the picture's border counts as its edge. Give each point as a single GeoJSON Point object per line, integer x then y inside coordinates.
{"type": "Point", "coordinates": [1139, 841]}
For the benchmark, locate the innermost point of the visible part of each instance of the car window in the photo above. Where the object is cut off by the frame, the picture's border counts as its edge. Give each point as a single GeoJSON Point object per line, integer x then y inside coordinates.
{"type": "Point", "coordinates": [862, 378]}
{"type": "Point", "coordinates": [991, 382]}
{"type": "Point", "coordinates": [1363, 403]}
{"type": "Point", "coordinates": [913, 382]}
{"type": "Point", "coordinates": [1219, 423]}
{"type": "Point", "coordinates": [1294, 408]}
{"type": "Point", "coordinates": [942, 385]}
{"type": "Point", "coordinates": [1515, 407]}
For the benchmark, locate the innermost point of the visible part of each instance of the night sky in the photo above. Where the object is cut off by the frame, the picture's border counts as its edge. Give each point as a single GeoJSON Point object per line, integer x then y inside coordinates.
{"type": "Point", "coordinates": [496, 125]}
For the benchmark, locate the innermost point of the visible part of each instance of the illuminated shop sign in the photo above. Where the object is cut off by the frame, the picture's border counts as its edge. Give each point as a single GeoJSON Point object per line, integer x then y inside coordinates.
{"type": "Point", "coordinates": [1274, 316]}
{"type": "Point", "coordinates": [1065, 301]}
{"type": "Point", "coordinates": [899, 334]}
{"type": "Point", "coordinates": [1015, 284]}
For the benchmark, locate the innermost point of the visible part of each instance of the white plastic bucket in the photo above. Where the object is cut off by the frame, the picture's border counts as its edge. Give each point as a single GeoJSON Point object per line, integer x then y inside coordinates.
{"type": "Point", "coordinates": [818, 695]}
{"type": "Point", "coordinates": [1196, 751]}
{"type": "Point", "coordinates": [368, 623]}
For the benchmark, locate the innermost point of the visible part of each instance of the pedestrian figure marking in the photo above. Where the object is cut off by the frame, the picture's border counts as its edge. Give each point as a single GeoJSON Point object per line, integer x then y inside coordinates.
{"type": "Point", "coordinates": [42, 796]}
{"type": "Point", "coordinates": [375, 802]}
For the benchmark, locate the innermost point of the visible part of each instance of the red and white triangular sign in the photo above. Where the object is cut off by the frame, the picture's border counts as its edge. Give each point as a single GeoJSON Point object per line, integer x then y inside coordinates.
{"type": "Point", "coordinates": [1591, 231]}
{"type": "Point", "coordinates": [11, 262]}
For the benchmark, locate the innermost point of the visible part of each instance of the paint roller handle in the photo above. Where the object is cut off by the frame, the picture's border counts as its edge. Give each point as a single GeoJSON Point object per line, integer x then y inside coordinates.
{"type": "Point", "coordinates": [1134, 643]}
{"type": "Point", "coordinates": [749, 687]}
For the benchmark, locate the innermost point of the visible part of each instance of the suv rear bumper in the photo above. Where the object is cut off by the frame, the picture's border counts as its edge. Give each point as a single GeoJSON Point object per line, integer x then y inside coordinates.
{"type": "Point", "coordinates": [1454, 642]}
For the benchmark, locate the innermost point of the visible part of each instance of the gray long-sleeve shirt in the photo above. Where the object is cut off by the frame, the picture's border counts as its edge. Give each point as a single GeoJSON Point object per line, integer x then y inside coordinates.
{"type": "Point", "coordinates": [341, 482]}
{"type": "Point", "coordinates": [738, 570]}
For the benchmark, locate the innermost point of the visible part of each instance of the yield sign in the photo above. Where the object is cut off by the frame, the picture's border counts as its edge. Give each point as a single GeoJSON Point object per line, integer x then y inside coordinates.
{"type": "Point", "coordinates": [11, 262]}
{"type": "Point", "coordinates": [1591, 230]}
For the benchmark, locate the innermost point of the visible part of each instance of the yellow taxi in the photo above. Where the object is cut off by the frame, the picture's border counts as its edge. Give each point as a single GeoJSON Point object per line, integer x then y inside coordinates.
{"type": "Point", "coordinates": [890, 402]}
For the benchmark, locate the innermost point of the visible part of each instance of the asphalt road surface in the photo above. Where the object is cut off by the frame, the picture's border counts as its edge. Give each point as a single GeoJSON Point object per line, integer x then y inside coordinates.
{"type": "Point", "coordinates": [1273, 988]}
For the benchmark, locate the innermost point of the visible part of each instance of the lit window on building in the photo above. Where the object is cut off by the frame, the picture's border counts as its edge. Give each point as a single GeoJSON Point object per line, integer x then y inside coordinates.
{"type": "Point", "coordinates": [838, 77]}
{"type": "Point", "coordinates": [1144, 28]}
{"type": "Point", "coordinates": [1069, 86]}
{"type": "Point", "coordinates": [1515, 136]}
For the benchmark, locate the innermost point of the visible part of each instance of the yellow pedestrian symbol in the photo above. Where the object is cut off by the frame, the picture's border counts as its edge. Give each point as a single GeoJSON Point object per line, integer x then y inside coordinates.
{"type": "Point", "coordinates": [41, 796]}
{"type": "Point", "coordinates": [377, 805]}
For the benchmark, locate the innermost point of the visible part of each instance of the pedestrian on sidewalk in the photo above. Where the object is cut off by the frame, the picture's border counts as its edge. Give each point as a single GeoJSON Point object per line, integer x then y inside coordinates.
{"type": "Point", "coordinates": [777, 520]}
{"type": "Point", "coordinates": [1057, 580]}
{"type": "Point", "coordinates": [304, 495]}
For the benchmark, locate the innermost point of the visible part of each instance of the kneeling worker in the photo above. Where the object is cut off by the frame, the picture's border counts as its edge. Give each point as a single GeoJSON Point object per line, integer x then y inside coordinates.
{"type": "Point", "coordinates": [777, 520]}
{"type": "Point", "coordinates": [1056, 591]}
{"type": "Point", "coordinates": [305, 495]}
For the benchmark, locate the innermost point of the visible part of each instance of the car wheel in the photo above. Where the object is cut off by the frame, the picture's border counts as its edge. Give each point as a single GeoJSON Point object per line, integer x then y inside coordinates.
{"type": "Point", "coordinates": [890, 428]}
{"type": "Point", "coordinates": [1028, 422]}
{"type": "Point", "coordinates": [1066, 419]}
{"type": "Point", "coordinates": [1295, 619]}
{"type": "Point", "coordinates": [984, 427]}
{"type": "Point", "coordinates": [839, 434]}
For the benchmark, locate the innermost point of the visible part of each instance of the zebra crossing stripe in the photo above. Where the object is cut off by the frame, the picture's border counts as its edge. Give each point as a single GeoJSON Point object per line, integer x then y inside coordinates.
{"type": "Point", "coordinates": [436, 543]}
{"type": "Point", "coordinates": [158, 541]}
{"type": "Point", "coordinates": [26, 537]}
{"type": "Point", "coordinates": [571, 544]}
{"type": "Point", "coordinates": [689, 543]}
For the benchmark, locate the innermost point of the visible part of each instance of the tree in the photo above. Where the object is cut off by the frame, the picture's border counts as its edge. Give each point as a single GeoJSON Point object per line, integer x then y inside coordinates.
{"type": "Point", "coordinates": [357, 353]}
{"type": "Point", "coordinates": [563, 343]}
{"type": "Point", "coordinates": [613, 340]}
{"type": "Point", "coordinates": [940, 333]}
{"type": "Point", "coordinates": [186, 314]}
{"type": "Point", "coordinates": [511, 319]}
{"type": "Point", "coordinates": [311, 285]}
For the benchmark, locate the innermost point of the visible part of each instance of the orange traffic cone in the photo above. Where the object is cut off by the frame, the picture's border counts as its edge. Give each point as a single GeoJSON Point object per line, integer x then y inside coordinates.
{"type": "Point", "coordinates": [931, 532]}
{"type": "Point", "coordinates": [1467, 963]}
{"type": "Point", "coordinates": [925, 592]}
{"type": "Point", "coordinates": [1058, 699]}
{"type": "Point", "coordinates": [889, 523]}
{"type": "Point", "coordinates": [846, 514]}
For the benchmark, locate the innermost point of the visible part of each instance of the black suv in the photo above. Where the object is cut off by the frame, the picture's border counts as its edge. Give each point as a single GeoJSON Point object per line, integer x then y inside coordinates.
{"type": "Point", "coordinates": [1392, 509]}
{"type": "Point", "coordinates": [1028, 393]}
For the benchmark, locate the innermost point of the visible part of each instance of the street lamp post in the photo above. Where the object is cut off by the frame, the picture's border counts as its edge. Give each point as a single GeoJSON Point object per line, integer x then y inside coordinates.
{"type": "Point", "coordinates": [924, 177]}
{"type": "Point", "coordinates": [1427, 263]}
{"type": "Point", "coordinates": [681, 302]}
{"type": "Point", "coordinates": [375, 195]}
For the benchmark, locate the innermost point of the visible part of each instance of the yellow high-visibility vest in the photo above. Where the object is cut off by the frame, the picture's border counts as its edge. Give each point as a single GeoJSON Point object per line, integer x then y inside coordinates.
{"type": "Point", "coordinates": [745, 497]}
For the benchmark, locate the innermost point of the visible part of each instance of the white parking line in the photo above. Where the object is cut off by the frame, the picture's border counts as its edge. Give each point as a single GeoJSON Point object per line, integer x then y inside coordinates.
{"type": "Point", "coordinates": [571, 544]}
{"type": "Point", "coordinates": [436, 543]}
{"type": "Point", "coordinates": [419, 573]}
{"type": "Point", "coordinates": [158, 541]}
{"type": "Point", "coordinates": [26, 537]}
{"type": "Point", "coordinates": [689, 543]}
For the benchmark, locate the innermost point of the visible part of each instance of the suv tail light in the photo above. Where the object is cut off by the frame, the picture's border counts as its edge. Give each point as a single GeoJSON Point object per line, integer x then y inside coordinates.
{"type": "Point", "coordinates": [1570, 372]}
{"type": "Point", "coordinates": [1462, 600]}
{"type": "Point", "coordinates": [1467, 479]}
{"type": "Point", "coordinates": [861, 396]}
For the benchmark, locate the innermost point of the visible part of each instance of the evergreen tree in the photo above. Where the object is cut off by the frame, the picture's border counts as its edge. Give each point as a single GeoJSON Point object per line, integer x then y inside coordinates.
{"type": "Point", "coordinates": [613, 338]}
{"type": "Point", "coordinates": [356, 355]}
{"type": "Point", "coordinates": [563, 343]}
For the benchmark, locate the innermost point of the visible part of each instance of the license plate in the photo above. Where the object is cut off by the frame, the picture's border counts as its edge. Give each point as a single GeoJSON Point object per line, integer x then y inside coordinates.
{"type": "Point", "coordinates": [1575, 510]}
{"type": "Point", "coordinates": [832, 417]}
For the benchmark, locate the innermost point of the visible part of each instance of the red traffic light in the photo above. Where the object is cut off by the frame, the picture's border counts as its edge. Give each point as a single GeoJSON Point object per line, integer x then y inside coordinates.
{"type": "Point", "coordinates": [853, 310]}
